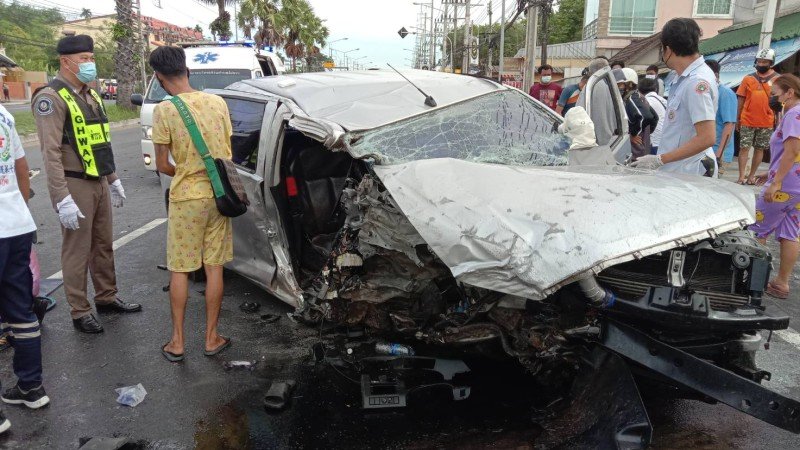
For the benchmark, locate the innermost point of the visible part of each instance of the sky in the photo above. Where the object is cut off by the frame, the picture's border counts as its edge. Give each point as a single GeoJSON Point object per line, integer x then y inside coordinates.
{"type": "Point", "coordinates": [369, 25]}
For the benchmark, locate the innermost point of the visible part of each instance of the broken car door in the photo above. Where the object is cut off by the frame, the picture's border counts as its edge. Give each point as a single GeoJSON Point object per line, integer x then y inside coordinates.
{"type": "Point", "coordinates": [254, 258]}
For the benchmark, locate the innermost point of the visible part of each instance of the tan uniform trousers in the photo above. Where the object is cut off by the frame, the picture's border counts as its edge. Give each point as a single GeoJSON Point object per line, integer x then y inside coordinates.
{"type": "Point", "coordinates": [90, 247]}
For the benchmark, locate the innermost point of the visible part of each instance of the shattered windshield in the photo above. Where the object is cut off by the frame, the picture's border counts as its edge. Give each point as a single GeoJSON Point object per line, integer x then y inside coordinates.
{"type": "Point", "coordinates": [504, 127]}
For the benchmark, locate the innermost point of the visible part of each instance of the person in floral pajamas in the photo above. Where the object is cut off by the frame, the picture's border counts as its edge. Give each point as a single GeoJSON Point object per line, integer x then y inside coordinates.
{"type": "Point", "coordinates": [778, 205]}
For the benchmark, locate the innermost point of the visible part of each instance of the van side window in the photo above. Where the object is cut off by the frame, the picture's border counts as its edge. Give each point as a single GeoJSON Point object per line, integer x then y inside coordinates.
{"type": "Point", "coordinates": [258, 74]}
{"type": "Point", "coordinates": [246, 120]}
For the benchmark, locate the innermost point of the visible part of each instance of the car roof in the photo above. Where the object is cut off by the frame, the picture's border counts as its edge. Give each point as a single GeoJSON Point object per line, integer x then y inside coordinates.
{"type": "Point", "coordinates": [361, 100]}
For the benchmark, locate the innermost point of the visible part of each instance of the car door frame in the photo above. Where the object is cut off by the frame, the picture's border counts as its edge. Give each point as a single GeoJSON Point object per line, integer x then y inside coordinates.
{"type": "Point", "coordinates": [620, 146]}
{"type": "Point", "coordinates": [253, 256]}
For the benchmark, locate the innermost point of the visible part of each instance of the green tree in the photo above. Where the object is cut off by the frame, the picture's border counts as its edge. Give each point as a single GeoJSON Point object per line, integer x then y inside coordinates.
{"type": "Point", "coordinates": [515, 40]}
{"type": "Point", "coordinates": [566, 24]}
{"type": "Point", "coordinates": [86, 14]}
{"type": "Point", "coordinates": [290, 23]}
{"type": "Point", "coordinates": [221, 25]}
{"type": "Point", "coordinates": [29, 35]}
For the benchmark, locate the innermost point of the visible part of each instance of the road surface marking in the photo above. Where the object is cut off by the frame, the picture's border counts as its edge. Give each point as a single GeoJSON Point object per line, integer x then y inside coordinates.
{"type": "Point", "coordinates": [131, 236]}
{"type": "Point", "coordinates": [791, 336]}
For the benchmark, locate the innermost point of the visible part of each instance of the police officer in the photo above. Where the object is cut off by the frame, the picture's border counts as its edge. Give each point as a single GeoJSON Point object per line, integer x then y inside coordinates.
{"type": "Point", "coordinates": [76, 149]}
{"type": "Point", "coordinates": [689, 129]}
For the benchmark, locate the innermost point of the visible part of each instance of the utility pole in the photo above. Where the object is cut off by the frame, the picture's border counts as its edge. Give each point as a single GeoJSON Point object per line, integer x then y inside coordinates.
{"type": "Point", "coordinates": [445, 23]}
{"type": "Point", "coordinates": [532, 14]}
{"type": "Point", "coordinates": [143, 44]}
{"type": "Point", "coordinates": [502, 40]}
{"type": "Point", "coordinates": [455, 27]}
{"type": "Point", "coordinates": [766, 26]}
{"type": "Point", "coordinates": [546, 9]}
{"type": "Point", "coordinates": [489, 47]}
{"type": "Point", "coordinates": [432, 63]}
{"type": "Point", "coordinates": [467, 39]}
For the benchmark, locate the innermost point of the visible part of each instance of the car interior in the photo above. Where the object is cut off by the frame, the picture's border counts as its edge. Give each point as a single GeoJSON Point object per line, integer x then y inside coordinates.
{"type": "Point", "coordinates": [311, 183]}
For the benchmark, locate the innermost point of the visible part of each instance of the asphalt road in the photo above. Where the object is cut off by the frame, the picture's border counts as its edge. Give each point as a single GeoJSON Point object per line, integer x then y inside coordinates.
{"type": "Point", "coordinates": [197, 404]}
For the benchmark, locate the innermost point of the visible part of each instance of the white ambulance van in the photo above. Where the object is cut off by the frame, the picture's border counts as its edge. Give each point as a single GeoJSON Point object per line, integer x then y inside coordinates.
{"type": "Point", "coordinates": [212, 65]}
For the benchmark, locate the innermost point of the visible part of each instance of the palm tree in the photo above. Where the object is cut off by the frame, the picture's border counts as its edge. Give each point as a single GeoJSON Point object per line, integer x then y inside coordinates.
{"type": "Point", "coordinates": [86, 13]}
{"type": "Point", "coordinates": [124, 62]}
{"type": "Point", "coordinates": [304, 31]}
{"type": "Point", "coordinates": [260, 16]}
{"type": "Point", "coordinates": [221, 25]}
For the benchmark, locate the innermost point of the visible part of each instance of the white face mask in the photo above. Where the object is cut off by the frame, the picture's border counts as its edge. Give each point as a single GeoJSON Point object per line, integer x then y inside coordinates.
{"type": "Point", "coordinates": [546, 78]}
{"type": "Point", "coordinates": [650, 77]}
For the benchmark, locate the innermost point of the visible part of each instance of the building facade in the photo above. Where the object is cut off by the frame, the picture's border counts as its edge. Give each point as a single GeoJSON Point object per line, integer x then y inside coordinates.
{"type": "Point", "coordinates": [157, 32]}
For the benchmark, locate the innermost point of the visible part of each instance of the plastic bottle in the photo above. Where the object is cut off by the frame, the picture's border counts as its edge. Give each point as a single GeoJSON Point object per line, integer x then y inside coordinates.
{"type": "Point", "coordinates": [385, 348]}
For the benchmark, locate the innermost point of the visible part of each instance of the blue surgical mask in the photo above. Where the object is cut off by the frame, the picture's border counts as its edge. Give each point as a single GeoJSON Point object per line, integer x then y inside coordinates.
{"type": "Point", "coordinates": [87, 72]}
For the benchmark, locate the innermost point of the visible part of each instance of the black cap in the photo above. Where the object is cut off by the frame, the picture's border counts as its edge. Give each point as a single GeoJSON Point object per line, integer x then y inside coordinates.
{"type": "Point", "coordinates": [70, 45]}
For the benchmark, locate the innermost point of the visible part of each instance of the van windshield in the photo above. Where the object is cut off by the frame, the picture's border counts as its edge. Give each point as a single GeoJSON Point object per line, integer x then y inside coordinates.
{"type": "Point", "coordinates": [201, 79]}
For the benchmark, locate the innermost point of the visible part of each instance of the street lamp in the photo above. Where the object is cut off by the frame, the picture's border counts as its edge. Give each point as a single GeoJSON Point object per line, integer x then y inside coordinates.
{"type": "Point", "coordinates": [356, 59]}
{"type": "Point", "coordinates": [345, 56]}
{"type": "Point", "coordinates": [333, 42]}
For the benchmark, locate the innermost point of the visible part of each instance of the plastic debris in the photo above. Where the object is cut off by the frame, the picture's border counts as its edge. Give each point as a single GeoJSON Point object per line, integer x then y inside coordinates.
{"type": "Point", "coordinates": [279, 394]}
{"type": "Point", "coordinates": [243, 365]}
{"type": "Point", "coordinates": [162, 266]}
{"type": "Point", "coordinates": [250, 307]}
{"type": "Point", "coordinates": [385, 348]}
{"type": "Point", "coordinates": [131, 395]}
{"type": "Point", "coordinates": [270, 318]}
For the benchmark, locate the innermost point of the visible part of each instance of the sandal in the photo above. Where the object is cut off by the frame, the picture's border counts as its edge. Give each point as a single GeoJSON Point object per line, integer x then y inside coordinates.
{"type": "Point", "coordinates": [222, 347]}
{"type": "Point", "coordinates": [750, 182]}
{"type": "Point", "coordinates": [171, 357]}
{"type": "Point", "coordinates": [776, 292]}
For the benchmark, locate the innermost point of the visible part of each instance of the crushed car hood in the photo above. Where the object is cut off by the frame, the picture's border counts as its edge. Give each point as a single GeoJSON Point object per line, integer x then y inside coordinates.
{"type": "Point", "coordinates": [527, 231]}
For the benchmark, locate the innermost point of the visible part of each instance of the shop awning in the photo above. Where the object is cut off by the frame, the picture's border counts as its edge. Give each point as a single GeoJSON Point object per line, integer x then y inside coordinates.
{"type": "Point", "coordinates": [736, 64]}
{"type": "Point", "coordinates": [786, 27]}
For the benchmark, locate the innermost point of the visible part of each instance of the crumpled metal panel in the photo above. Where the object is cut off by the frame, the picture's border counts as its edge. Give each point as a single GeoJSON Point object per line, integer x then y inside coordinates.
{"type": "Point", "coordinates": [526, 231]}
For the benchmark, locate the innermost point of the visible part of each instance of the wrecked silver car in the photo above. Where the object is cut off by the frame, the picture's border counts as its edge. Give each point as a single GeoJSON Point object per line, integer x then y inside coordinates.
{"type": "Point", "coordinates": [460, 226]}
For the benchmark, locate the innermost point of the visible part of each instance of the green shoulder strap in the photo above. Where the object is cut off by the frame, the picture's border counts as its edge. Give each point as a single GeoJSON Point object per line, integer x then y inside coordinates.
{"type": "Point", "coordinates": [202, 148]}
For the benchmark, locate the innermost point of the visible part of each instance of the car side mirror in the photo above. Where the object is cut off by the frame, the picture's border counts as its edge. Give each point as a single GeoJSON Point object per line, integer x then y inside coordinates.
{"type": "Point", "coordinates": [137, 99]}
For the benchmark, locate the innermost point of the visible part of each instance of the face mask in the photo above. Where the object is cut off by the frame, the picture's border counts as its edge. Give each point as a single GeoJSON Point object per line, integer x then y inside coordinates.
{"type": "Point", "coordinates": [762, 69]}
{"type": "Point", "coordinates": [668, 57]}
{"type": "Point", "coordinates": [650, 77]}
{"type": "Point", "coordinates": [87, 72]}
{"type": "Point", "coordinates": [546, 79]}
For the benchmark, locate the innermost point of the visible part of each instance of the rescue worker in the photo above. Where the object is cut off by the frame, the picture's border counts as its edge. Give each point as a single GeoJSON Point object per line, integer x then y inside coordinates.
{"type": "Point", "coordinates": [76, 150]}
{"type": "Point", "coordinates": [690, 128]}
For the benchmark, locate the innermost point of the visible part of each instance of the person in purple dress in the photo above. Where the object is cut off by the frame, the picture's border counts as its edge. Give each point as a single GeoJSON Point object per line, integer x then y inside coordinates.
{"type": "Point", "coordinates": [778, 205]}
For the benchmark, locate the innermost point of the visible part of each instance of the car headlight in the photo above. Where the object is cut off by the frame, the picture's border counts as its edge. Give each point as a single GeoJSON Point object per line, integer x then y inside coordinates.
{"type": "Point", "coordinates": [147, 132]}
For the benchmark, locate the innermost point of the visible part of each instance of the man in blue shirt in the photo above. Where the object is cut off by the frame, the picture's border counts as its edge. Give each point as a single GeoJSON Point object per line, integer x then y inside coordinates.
{"type": "Point", "coordinates": [689, 131]}
{"type": "Point", "coordinates": [726, 119]}
{"type": "Point", "coordinates": [570, 94]}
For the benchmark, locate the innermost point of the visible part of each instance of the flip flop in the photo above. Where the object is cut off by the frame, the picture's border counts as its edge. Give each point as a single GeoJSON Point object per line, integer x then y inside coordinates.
{"type": "Point", "coordinates": [776, 292]}
{"type": "Point", "coordinates": [279, 394]}
{"type": "Point", "coordinates": [171, 357]}
{"type": "Point", "coordinates": [220, 348]}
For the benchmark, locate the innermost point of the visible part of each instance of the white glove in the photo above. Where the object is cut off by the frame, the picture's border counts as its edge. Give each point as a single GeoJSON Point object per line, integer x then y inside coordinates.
{"type": "Point", "coordinates": [652, 162]}
{"type": "Point", "coordinates": [117, 194]}
{"type": "Point", "coordinates": [68, 213]}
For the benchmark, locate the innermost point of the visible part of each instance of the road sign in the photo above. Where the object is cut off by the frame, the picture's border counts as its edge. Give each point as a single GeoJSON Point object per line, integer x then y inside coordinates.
{"type": "Point", "coordinates": [403, 32]}
{"type": "Point", "coordinates": [328, 65]}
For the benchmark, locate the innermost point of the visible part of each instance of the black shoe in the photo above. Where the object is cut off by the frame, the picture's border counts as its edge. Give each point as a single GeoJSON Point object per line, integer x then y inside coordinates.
{"type": "Point", "coordinates": [119, 306]}
{"type": "Point", "coordinates": [88, 324]}
{"type": "Point", "coordinates": [5, 424]}
{"type": "Point", "coordinates": [33, 399]}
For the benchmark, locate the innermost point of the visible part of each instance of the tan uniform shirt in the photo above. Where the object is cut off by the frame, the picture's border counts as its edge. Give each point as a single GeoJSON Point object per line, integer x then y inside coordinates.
{"type": "Point", "coordinates": [50, 112]}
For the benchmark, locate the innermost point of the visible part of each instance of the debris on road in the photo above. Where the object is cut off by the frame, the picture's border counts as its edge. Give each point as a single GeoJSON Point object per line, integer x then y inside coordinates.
{"type": "Point", "coordinates": [107, 443]}
{"type": "Point", "coordinates": [250, 307]}
{"type": "Point", "coordinates": [248, 365]}
{"type": "Point", "coordinates": [162, 266]}
{"type": "Point", "coordinates": [385, 348]}
{"type": "Point", "coordinates": [279, 394]}
{"type": "Point", "coordinates": [270, 318]}
{"type": "Point", "coordinates": [131, 395]}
